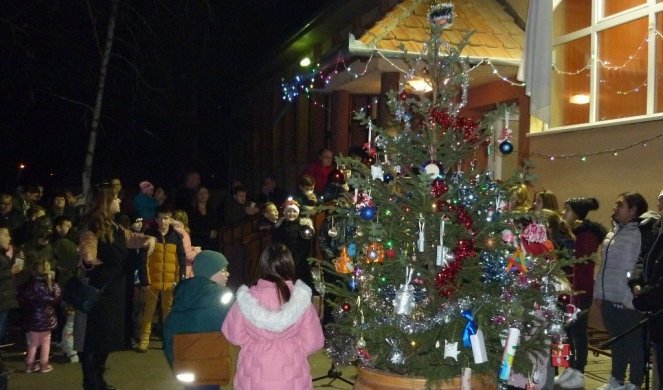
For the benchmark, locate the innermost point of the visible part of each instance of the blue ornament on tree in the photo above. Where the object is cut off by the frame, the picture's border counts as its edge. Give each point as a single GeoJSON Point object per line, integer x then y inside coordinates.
{"type": "Point", "coordinates": [368, 213]}
{"type": "Point", "coordinates": [387, 177]}
{"type": "Point", "coordinates": [506, 147]}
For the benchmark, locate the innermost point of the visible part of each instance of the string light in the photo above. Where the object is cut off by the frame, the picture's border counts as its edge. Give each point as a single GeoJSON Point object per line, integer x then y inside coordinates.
{"type": "Point", "coordinates": [585, 155]}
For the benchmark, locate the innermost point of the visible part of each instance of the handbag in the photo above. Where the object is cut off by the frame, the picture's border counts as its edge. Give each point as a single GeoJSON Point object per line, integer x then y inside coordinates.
{"type": "Point", "coordinates": [81, 295]}
{"type": "Point", "coordinates": [201, 358]}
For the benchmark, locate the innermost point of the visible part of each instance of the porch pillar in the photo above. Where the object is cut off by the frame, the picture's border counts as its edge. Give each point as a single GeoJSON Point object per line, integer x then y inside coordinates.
{"type": "Point", "coordinates": [340, 122]}
{"type": "Point", "coordinates": [389, 81]}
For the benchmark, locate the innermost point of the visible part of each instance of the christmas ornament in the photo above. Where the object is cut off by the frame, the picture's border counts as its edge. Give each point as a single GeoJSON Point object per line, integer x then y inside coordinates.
{"type": "Point", "coordinates": [512, 341]}
{"type": "Point", "coordinates": [439, 188]}
{"type": "Point", "coordinates": [564, 299]}
{"type": "Point", "coordinates": [332, 232]}
{"type": "Point", "coordinates": [478, 348]}
{"type": "Point", "coordinates": [517, 262]}
{"type": "Point", "coordinates": [433, 169]}
{"type": "Point", "coordinates": [376, 172]}
{"type": "Point", "coordinates": [346, 307]}
{"type": "Point", "coordinates": [368, 213]}
{"type": "Point", "coordinates": [361, 343]}
{"type": "Point", "coordinates": [535, 232]}
{"type": "Point", "coordinates": [451, 350]}
{"type": "Point", "coordinates": [396, 355]}
{"type": "Point", "coordinates": [560, 355]}
{"type": "Point", "coordinates": [506, 147]}
{"type": "Point", "coordinates": [570, 314]}
{"type": "Point", "coordinates": [390, 253]}
{"type": "Point", "coordinates": [343, 263]}
{"type": "Point", "coordinates": [387, 177]}
{"type": "Point", "coordinates": [375, 253]}
{"type": "Point", "coordinates": [404, 300]}
{"type": "Point", "coordinates": [441, 14]}
{"type": "Point", "coordinates": [336, 176]}
{"type": "Point", "coordinates": [307, 232]}
{"type": "Point", "coordinates": [421, 240]}
{"type": "Point", "coordinates": [443, 255]}
{"type": "Point", "coordinates": [352, 283]}
{"type": "Point", "coordinates": [403, 95]}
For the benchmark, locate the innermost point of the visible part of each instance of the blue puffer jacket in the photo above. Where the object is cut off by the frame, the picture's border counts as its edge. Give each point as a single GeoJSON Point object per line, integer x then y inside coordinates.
{"type": "Point", "coordinates": [621, 249]}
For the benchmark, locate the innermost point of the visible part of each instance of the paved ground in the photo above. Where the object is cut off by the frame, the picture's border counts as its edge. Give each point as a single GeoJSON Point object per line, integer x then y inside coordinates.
{"type": "Point", "coordinates": [133, 371]}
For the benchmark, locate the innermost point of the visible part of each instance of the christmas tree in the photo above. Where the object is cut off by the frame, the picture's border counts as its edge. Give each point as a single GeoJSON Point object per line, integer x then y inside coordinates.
{"type": "Point", "coordinates": [434, 272]}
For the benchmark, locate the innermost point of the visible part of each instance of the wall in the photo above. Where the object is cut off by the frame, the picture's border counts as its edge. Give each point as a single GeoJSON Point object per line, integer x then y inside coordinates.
{"type": "Point", "coordinates": [639, 169]}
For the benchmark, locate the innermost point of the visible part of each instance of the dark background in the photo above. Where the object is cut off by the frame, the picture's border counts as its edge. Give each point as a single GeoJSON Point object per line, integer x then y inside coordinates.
{"type": "Point", "coordinates": [176, 70]}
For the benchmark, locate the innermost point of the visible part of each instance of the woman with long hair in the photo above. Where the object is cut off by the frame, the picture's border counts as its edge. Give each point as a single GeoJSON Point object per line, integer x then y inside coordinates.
{"type": "Point", "coordinates": [276, 327]}
{"type": "Point", "coordinates": [103, 252]}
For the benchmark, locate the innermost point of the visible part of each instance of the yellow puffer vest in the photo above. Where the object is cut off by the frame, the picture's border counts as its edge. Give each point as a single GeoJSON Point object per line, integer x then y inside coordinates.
{"type": "Point", "coordinates": [162, 266]}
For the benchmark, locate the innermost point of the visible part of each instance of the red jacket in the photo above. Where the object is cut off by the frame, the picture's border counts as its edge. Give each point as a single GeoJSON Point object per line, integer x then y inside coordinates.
{"type": "Point", "coordinates": [319, 173]}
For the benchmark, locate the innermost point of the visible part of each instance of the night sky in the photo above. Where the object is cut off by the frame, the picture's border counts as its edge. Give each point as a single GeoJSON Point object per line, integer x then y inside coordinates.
{"type": "Point", "coordinates": [172, 79]}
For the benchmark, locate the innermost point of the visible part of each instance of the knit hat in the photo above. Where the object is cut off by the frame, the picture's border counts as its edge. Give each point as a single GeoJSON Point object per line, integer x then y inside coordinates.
{"type": "Point", "coordinates": [582, 206]}
{"type": "Point", "coordinates": [145, 186]}
{"type": "Point", "coordinates": [291, 204]}
{"type": "Point", "coordinates": [207, 263]}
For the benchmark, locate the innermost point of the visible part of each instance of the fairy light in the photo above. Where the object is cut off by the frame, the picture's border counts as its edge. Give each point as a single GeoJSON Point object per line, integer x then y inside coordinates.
{"type": "Point", "coordinates": [585, 155]}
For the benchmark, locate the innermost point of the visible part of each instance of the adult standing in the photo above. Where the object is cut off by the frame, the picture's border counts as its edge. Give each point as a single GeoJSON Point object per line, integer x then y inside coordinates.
{"type": "Point", "coordinates": [588, 237]}
{"type": "Point", "coordinates": [103, 250]}
{"type": "Point", "coordinates": [203, 221]}
{"type": "Point", "coordinates": [319, 169]}
{"type": "Point", "coordinates": [186, 195]}
{"type": "Point", "coordinates": [621, 249]}
{"type": "Point", "coordinates": [647, 281]}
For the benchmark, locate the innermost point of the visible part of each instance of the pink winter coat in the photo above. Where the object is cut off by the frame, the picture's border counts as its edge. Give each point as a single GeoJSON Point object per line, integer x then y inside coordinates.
{"type": "Point", "coordinates": [275, 339]}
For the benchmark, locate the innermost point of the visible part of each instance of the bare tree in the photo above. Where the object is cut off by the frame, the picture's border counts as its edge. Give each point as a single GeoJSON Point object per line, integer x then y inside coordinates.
{"type": "Point", "coordinates": [96, 112]}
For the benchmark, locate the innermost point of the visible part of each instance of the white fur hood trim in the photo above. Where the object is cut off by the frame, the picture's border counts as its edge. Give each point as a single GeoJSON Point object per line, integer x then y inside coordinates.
{"type": "Point", "coordinates": [275, 321]}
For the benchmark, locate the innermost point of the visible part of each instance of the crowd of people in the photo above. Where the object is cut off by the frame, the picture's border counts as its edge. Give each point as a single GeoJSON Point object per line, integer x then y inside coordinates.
{"type": "Point", "coordinates": [141, 248]}
{"type": "Point", "coordinates": [157, 253]}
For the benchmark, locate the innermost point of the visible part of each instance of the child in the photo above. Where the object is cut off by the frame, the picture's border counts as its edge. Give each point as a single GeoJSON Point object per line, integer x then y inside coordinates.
{"type": "Point", "coordinates": [200, 303]}
{"type": "Point", "coordinates": [269, 217]}
{"type": "Point", "coordinates": [163, 272]}
{"type": "Point", "coordinates": [276, 327]}
{"type": "Point", "coordinates": [10, 264]}
{"type": "Point", "coordinates": [180, 223]}
{"type": "Point", "coordinates": [38, 299]}
{"type": "Point", "coordinates": [296, 233]}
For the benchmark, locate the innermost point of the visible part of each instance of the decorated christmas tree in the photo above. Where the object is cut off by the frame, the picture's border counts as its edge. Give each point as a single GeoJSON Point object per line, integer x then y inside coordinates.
{"type": "Point", "coordinates": [435, 272]}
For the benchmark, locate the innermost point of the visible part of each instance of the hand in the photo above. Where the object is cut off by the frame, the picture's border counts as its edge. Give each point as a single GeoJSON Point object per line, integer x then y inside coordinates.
{"type": "Point", "coordinates": [150, 245]}
{"type": "Point", "coordinates": [637, 289]}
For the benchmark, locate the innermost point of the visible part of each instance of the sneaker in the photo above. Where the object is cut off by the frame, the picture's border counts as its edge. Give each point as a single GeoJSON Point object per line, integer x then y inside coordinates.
{"type": "Point", "coordinates": [46, 368]}
{"type": "Point", "coordinates": [574, 381]}
{"type": "Point", "coordinates": [72, 358]}
{"type": "Point", "coordinates": [564, 376]}
{"type": "Point", "coordinates": [30, 368]}
{"type": "Point", "coordinates": [611, 385]}
{"type": "Point", "coordinates": [631, 386]}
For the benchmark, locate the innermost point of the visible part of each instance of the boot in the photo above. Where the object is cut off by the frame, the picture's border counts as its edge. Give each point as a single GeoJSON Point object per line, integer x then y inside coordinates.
{"type": "Point", "coordinates": [89, 367]}
{"type": "Point", "coordinates": [101, 368]}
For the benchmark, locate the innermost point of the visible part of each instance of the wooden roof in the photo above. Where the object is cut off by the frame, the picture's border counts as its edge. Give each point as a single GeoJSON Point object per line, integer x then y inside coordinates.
{"type": "Point", "coordinates": [496, 35]}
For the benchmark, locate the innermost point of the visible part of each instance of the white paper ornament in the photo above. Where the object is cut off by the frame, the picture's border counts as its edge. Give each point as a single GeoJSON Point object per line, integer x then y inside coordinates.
{"type": "Point", "coordinates": [451, 350]}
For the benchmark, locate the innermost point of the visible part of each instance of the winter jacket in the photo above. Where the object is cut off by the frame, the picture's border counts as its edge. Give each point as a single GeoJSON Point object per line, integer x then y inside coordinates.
{"type": "Point", "coordinates": [275, 338]}
{"type": "Point", "coordinates": [621, 249]}
{"type": "Point", "coordinates": [320, 173]}
{"type": "Point", "coordinates": [289, 233]}
{"type": "Point", "coordinates": [38, 304]}
{"type": "Point", "coordinates": [588, 238]}
{"type": "Point", "coordinates": [197, 307]}
{"type": "Point", "coordinates": [189, 250]}
{"type": "Point", "coordinates": [164, 264]}
{"type": "Point", "coordinates": [7, 286]}
{"type": "Point", "coordinates": [65, 253]}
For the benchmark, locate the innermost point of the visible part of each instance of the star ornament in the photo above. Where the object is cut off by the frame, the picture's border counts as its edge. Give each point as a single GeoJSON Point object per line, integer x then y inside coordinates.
{"type": "Point", "coordinates": [451, 350]}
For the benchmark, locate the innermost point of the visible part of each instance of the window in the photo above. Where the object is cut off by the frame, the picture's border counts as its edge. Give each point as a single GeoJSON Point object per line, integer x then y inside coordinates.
{"type": "Point", "coordinates": [607, 60]}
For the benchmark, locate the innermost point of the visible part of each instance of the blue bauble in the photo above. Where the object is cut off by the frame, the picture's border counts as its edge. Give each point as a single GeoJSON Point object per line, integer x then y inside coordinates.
{"type": "Point", "coordinates": [352, 284]}
{"type": "Point", "coordinates": [387, 177]}
{"type": "Point", "coordinates": [368, 213]}
{"type": "Point", "coordinates": [506, 147]}
{"type": "Point", "coordinates": [352, 249]}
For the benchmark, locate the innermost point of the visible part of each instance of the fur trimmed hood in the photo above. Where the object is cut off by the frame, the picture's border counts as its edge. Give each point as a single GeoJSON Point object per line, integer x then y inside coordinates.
{"type": "Point", "coordinates": [275, 321]}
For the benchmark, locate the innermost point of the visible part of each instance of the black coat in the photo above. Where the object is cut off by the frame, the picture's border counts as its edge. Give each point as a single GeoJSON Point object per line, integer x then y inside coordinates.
{"type": "Point", "coordinates": [7, 286]}
{"type": "Point", "coordinates": [648, 274]}
{"type": "Point", "coordinates": [38, 304]}
{"type": "Point", "coordinates": [104, 329]}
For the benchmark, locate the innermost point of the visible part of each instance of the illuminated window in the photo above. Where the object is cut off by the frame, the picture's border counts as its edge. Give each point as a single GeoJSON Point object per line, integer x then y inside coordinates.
{"type": "Point", "coordinates": [607, 60]}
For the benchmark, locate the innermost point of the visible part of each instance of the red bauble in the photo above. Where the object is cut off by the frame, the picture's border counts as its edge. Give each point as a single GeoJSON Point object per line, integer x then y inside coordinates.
{"type": "Point", "coordinates": [336, 176]}
{"type": "Point", "coordinates": [390, 253]}
{"type": "Point", "coordinates": [564, 299]}
{"type": "Point", "coordinates": [439, 188]}
{"type": "Point", "coordinates": [442, 118]}
{"type": "Point", "coordinates": [403, 95]}
{"type": "Point", "coordinates": [346, 307]}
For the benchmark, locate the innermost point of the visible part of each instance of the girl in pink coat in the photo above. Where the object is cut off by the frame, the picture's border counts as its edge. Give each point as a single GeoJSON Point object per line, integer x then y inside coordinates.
{"type": "Point", "coordinates": [276, 327]}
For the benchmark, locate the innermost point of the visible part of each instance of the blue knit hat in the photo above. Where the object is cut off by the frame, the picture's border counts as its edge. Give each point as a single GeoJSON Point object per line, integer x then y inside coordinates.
{"type": "Point", "coordinates": [207, 263]}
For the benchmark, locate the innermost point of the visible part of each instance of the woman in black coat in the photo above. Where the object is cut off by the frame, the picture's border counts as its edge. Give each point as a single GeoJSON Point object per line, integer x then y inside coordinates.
{"type": "Point", "coordinates": [103, 249]}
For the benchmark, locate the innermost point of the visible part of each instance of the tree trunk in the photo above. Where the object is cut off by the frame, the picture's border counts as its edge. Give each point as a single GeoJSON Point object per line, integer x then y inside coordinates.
{"type": "Point", "coordinates": [96, 113]}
